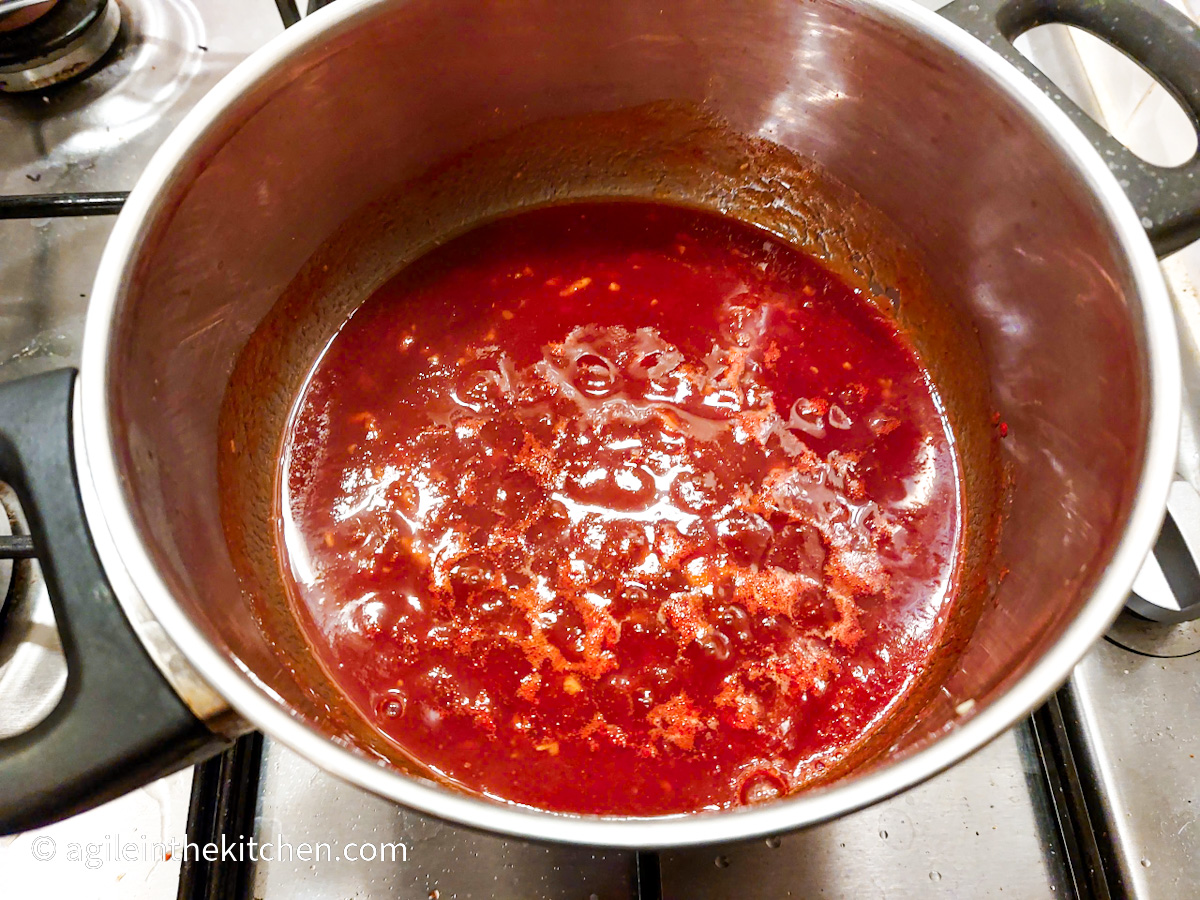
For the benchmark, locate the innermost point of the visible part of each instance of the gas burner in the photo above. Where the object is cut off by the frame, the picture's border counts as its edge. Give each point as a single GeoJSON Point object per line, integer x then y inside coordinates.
{"type": "Point", "coordinates": [46, 43]}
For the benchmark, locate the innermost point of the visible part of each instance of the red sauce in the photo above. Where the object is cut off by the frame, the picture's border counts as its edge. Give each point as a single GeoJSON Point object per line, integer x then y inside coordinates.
{"type": "Point", "coordinates": [620, 508]}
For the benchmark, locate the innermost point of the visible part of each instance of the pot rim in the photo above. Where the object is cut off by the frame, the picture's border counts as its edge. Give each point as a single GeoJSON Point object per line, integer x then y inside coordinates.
{"type": "Point", "coordinates": [266, 711]}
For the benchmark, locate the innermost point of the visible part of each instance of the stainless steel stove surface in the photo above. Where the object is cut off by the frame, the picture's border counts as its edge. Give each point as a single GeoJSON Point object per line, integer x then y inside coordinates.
{"type": "Point", "coordinates": [1098, 794]}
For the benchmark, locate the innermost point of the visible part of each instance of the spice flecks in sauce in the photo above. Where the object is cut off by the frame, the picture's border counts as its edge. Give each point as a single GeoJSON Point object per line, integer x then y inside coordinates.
{"type": "Point", "coordinates": [620, 508]}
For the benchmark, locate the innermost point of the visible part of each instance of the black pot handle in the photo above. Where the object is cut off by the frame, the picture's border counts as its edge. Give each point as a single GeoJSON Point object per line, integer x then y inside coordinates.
{"type": "Point", "coordinates": [119, 724]}
{"type": "Point", "coordinates": [1154, 34]}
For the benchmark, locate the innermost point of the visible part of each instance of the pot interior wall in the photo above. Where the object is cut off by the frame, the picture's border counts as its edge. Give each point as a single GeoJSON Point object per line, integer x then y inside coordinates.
{"type": "Point", "coordinates": [1010, 238]}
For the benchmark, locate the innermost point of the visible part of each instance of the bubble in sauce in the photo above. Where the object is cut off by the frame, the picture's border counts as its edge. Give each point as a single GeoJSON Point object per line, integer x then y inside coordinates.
{"type": "Point", "coordinates": [594, 375]}
{"type": "Point", "coordinates": [390, 706]}
{"type": "Point", "coordinates": [761, 786]}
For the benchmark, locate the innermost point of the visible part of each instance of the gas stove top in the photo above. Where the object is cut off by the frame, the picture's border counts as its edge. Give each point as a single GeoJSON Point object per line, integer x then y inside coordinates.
{"type": "Point", "coordinates": [1097, 794]}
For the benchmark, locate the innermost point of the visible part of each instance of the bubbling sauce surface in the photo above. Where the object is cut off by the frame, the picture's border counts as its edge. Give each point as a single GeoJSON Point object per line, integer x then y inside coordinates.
{"type": "Point", "coordinates": [620, 508]}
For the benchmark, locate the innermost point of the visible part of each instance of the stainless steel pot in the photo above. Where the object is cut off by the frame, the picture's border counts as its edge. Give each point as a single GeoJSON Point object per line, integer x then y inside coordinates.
{"type": "Point", "coordinates": [1018, 216]}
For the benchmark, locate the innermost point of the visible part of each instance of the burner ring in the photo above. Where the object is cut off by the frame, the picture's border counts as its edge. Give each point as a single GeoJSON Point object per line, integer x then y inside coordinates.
{"type": "Point", "coordinates": [59, 45]}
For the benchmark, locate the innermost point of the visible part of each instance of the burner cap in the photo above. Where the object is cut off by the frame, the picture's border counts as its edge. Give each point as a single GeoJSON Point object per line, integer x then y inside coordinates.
{"type": "Point", "coordinates": [61, 43]}
{"type": "Point", "coordinates": [26, 12]}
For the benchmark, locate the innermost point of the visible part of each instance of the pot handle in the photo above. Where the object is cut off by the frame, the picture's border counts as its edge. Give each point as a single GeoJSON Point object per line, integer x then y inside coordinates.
{"type": "Point", "coordinates": [1154, 34]}
{"type": "Point", "coordinates": [119, 724]}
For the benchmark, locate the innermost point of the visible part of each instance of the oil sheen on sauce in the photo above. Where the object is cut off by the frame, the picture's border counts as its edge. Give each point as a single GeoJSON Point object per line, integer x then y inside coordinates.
{"type": "Point", "coordinates": [620, 508]}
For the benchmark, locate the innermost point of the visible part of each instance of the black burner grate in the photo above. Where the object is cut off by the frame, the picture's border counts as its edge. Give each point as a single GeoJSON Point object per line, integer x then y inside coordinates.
{"type": "Point", "coordinates": [44, 206]}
